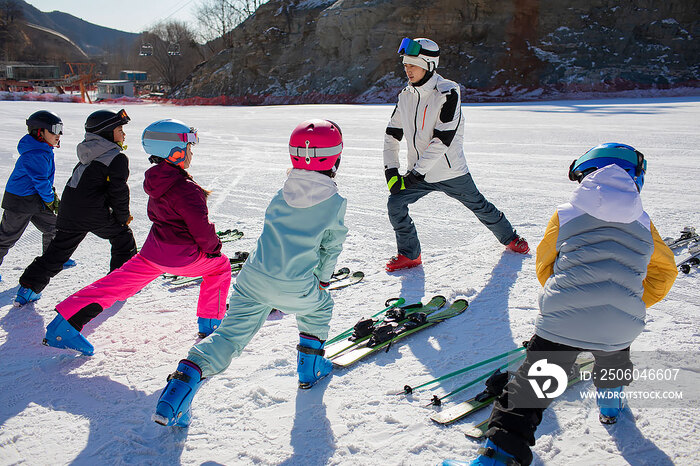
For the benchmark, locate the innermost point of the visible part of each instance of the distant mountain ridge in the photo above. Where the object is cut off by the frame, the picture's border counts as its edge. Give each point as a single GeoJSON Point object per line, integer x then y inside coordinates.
{"type": "Point", "coordinates": [91, 38]}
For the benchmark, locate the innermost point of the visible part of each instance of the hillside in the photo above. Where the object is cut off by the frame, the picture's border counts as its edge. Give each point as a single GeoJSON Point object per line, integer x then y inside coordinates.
{"type": "Point", "coordinates": [93, 39]}
{"type": "Point", "coordinates": [345, 50]}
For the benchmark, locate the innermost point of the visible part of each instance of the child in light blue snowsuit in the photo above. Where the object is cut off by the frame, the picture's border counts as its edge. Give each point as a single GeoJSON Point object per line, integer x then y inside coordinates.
{"type": "Point", "coordinates": [289, 270]}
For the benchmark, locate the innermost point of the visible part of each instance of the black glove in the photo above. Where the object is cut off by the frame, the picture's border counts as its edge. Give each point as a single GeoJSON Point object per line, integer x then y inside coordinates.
{"type": "Point", "coordinates": [412, 178]}
{"type": "Point", "coordinates": [211, 255]}
{"type": "Point", "coordinates": [393, 180]}
{"type": "Point", "coordinates": [53, 205]}
{"type": "Point", "coordinates": [397, 183]}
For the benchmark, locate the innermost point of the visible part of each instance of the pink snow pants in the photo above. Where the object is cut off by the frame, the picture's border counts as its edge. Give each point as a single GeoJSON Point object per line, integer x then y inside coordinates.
{"type": "Point", "coordinates": [138, 272]}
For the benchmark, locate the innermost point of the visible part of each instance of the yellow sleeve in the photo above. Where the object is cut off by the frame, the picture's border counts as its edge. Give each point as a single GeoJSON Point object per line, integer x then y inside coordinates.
{"type": "Point", "coordinates": [547, 250]}
{"type": "Point", "coordinates": [661, 271]}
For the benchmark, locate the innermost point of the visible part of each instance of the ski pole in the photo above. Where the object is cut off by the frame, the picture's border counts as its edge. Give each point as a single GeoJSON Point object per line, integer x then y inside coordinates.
{"type": "Point", "coordinates": [407, 389]}
{"type": "Point", "coordinates": [437, 401]}
{"type": "Point", "coordinates": [398, 302]}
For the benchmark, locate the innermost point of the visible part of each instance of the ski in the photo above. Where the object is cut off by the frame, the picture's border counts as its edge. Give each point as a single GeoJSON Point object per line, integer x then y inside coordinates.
{"type": "Point", "coordinates": [692, 260]}
{"type": "Point", "coordinates": [229, 235]}
{"type": "Point", "coordinates": [362, 330]}
{"type": "Point", "coordinates": [355, 278]}
{"type": "Point", "coordinates": [477, 431]}
{"type": "Point", "coordinates": [688, 235]}
{"type": "Point", "coordinates": [385, 335]}
{"type": "Point", "coordinates": [239, 259]}
{"type": "Point", "coordinates": [390, 304]}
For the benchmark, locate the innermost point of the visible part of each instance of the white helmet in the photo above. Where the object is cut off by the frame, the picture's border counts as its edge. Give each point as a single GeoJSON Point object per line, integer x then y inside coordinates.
{"type": "Point", "coordinates": [420, 52]}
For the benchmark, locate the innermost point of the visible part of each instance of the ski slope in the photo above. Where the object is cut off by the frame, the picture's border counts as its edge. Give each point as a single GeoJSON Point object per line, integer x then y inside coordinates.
{"type": "Point", "coordinates": [60, 408]}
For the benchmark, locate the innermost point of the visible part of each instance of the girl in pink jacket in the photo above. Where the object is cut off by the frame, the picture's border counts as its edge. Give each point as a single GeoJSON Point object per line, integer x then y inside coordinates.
{"type": "Point", "coordinates": [182, 241]}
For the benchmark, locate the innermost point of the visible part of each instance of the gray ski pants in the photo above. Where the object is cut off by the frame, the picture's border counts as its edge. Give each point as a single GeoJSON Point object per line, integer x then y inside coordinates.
{"type": "Point", "coordinates": [462, 189]}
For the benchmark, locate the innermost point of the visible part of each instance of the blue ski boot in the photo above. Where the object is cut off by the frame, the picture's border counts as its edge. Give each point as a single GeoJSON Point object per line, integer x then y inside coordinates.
{"type": "Point", "coordinates": [25, 295]}
{"type": "Point", "coordinates": [69, 263]}
{"type": "Point", "coordinates": [490, 454]}
{"type": "Point", "coordinates": [311, 365]}
{"type": "Point", "coordinates": [207, 326]}
{"type": "Point", "coordinates": [61, 334]}
{"type": "Point", "coordinates": [610, 403]}
{"type": "Point", "coordinates": [173, 408]}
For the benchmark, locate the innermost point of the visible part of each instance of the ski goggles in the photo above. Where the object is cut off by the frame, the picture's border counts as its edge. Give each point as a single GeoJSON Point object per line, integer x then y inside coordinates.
{"type": "Point", "coordinates": [409, 47]}
{"type": "Point", "coordinates": [188, 138]}
{"type": "Point", "coordinates": [56, 129]}
{"type": "Point", "coordinates": [123, 118]}
{"type": "Point", "coordinates": [413, 48]}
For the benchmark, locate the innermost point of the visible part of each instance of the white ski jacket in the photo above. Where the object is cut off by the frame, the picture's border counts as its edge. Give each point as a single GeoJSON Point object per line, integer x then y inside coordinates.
{"type": "Point", "coordinates": [430, 116]}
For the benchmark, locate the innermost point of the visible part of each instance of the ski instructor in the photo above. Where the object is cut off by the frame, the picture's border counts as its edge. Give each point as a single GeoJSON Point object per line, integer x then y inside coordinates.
{"type": "Point", "coordinates": [429, 114]}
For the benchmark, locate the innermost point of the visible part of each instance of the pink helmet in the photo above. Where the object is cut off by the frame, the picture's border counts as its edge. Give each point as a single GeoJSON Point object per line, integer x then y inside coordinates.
{"type": "Point", "coordinates": [316, 145]}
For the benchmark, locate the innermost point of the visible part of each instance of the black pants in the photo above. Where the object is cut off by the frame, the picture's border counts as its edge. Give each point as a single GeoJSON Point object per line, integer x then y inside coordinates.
{"type": "Point", "coordinates": [518, 411]}
{"type": "Point", "coordinates": [13, 225]}
{"type": "Point", "coordinates": [48, 265]}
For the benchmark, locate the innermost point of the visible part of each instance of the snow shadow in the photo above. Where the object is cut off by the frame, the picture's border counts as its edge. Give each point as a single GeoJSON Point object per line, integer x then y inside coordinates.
{"type": "Point", "coordinates": [412, 284]}
{"type": "Point", "coordinates": [312, 436]}
{"type": "Point", "coordinates": [483, 330]}
{"type": "Point", "coordinates": [621, 106]}
{"type": "Point", "coordinates": [634, 447]}
{"type": "Point", "coordinates": [118, 416]}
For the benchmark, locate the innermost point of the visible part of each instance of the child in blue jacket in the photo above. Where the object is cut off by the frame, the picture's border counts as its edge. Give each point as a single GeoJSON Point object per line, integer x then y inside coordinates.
{"type": "Point", "coordinates": [29, 194]}
{"type": "Point", "coordinates": [289, 270]}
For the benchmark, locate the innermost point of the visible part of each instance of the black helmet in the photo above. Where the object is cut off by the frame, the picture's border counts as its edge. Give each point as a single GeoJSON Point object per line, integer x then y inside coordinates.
{"type": "Point", "coordinates": [103, 122]}
{"type": "Point", "coordinates": [43, 119]}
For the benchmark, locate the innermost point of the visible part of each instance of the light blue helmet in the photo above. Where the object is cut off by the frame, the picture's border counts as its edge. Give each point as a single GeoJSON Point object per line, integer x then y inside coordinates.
{"type": "Point", "coordinates": [611, 153]}
{"type": "Point", "coordinates": [168, 139]}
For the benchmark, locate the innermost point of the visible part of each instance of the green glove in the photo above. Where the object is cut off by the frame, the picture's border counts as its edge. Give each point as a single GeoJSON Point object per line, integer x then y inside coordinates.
{"type": "Point", "coordinates": [53, 205]}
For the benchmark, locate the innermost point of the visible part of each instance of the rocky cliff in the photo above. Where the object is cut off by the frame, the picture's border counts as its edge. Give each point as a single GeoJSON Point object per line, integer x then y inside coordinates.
{"type": "Point", "coordinates": [345, 50]}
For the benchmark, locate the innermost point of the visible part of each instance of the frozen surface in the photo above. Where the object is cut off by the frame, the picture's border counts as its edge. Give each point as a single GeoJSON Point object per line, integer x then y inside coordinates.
{"type": "Point", "coordinates": [59, 408]}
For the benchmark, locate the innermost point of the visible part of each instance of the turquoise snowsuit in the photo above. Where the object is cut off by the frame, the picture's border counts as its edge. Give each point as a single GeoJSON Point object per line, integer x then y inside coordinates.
{"type": "Point", "coordinates": [302, 237]}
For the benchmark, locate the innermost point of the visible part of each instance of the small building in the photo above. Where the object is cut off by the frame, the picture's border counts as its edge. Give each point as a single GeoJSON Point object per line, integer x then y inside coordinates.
{"type": "Point", "coordinates": [134, 76]}
{"type": "Point", "coordinates": [31, 72]}
{"type": "Point", "coordinates": [114, 88]}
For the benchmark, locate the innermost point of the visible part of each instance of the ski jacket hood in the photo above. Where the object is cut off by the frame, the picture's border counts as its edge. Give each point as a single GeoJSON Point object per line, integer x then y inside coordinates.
{"type": "Point", "coordinates": [304, 188]}
{"type": "Point", "coordinates": [160, 178]}
{"type": "Point", "coordinates": [94, 146]}
{"type": "Point", "coordinates": [28, 143]}
{"type": "Point", "coordinates": [609, 194]}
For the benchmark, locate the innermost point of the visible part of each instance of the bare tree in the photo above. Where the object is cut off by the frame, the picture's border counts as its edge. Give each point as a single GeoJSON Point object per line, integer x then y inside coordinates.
{"type": "Point", "coordinates": [174, 52]}
{"type": "Point", "coordinates": [218, 18]}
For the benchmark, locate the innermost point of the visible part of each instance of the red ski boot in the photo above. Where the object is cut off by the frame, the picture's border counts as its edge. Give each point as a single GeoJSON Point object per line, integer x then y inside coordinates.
{"type": "Point", "coordinates": [402, 262]}
{"type": "Point", "coordinates": [519, 245]}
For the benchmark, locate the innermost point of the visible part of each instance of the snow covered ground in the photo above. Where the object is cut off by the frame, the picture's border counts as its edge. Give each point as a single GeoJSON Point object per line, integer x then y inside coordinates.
{"type": "Point", "coordinates": [59, 408]}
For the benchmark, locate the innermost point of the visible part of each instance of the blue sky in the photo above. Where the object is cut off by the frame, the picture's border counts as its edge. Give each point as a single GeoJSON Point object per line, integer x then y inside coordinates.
{"type": "Point", "coordinates": [125, 15]}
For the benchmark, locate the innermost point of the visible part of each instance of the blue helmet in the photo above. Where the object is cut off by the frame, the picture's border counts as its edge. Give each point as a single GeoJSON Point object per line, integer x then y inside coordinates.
{"type": "Point", "coordinates": [626, 157]}
{"type": "Point", "coordinates": [168, 140]}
